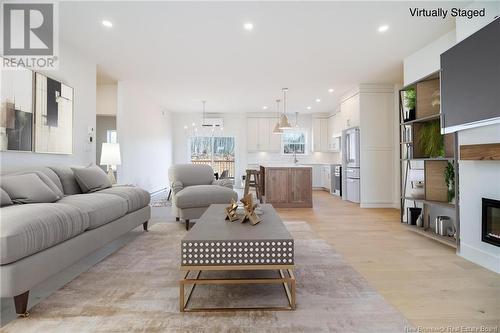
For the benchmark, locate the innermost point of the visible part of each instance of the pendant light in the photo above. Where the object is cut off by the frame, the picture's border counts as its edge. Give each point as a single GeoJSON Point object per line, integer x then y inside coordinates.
{"type": "Point", "coordinates": [277, 129]}
{"type": "Point", "coordinates": [284, 123]}
{"type": "Point", "coordinates": [297, 119]}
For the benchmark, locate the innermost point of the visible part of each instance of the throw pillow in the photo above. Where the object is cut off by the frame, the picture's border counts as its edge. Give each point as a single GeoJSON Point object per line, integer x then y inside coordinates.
{"type": "Point", "coordinates": [28, 188]}
{"type": "Point", "coordinates": [91, 178]}
{"type": "Point", "coordinates": [68, 180]}
{"type": "Point", "coordinates": [5, 199]}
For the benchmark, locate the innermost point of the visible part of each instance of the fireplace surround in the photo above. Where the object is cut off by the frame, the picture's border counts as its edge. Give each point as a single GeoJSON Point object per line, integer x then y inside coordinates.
{"type": "Point", "coordinates": [491, 222]}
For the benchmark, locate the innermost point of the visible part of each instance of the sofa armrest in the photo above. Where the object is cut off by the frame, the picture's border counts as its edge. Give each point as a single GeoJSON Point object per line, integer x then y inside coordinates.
{"type": "Point", "coordinates": [223, 182]}
{"type": "Point", "coordinates": [176, 186]}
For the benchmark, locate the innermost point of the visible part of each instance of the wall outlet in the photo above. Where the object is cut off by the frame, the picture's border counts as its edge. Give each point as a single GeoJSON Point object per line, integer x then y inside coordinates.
{"type": "Point", "coordinates": [90, 138]}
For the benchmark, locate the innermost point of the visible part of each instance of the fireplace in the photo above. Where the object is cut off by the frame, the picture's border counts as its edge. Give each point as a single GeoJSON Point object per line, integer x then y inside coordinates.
{"type": "Point", "coordinates": [491, 222]}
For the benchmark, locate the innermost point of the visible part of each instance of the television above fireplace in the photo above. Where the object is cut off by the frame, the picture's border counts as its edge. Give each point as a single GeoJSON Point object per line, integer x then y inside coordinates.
{"type": "Point", "coordinates": [491, 222]}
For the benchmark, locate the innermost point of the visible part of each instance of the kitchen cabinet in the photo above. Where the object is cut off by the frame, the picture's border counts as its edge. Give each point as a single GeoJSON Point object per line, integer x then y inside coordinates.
{"type": "Point", "coordinates": [326, 177]}
{"type": "Point", "coordinates": [260, 135]}
{"type": "Point", "coordinates": [320, 134]}
{"type": "Point", "coordinates": [349, 110]}
{"type": "Point", "coordinates": [334, 132]}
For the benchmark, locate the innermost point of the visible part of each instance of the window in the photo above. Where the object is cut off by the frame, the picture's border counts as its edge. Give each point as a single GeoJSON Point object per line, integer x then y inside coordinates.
{"type": "Point", "coordinates": [111, 136]}
{"type": "Point", "coordinates": [294, 141]}
{"type": "Point", "coordinates": [217, 152]}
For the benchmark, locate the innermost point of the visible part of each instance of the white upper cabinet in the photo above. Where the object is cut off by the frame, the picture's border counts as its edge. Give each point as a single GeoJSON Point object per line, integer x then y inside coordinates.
{"type": "Point", "coordinates": [260, 135]}
{"type": "Point", "coordinates": [349, 110]}
{"type": "Point", "coordinates": [320, 135]}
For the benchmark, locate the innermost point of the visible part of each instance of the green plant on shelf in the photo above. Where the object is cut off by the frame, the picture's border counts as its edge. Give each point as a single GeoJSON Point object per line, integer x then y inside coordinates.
{"type": "Point", "coordinates": [410, 98]}
{"type": "Point", "coordinates": [431, 140]}
{"type": "Point", "coordinates": [449, 178]}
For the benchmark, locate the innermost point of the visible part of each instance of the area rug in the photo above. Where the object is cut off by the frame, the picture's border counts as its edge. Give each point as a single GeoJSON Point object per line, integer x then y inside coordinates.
{"type": "Point", "coordinates": [136, 290]}
{"type": "Point", "coordinates": [161, 200]}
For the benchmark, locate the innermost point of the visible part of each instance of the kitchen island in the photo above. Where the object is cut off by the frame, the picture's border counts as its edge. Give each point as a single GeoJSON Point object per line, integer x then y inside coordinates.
{"type": "Point", "coordinates": [287, 186]}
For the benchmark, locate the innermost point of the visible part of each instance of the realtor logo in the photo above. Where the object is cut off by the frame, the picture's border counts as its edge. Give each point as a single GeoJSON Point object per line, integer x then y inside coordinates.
{"type": "Point", "coordinates": [29, 35]}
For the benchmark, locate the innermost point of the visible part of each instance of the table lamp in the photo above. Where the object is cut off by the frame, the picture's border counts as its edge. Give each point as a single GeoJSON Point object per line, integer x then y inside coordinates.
{"type": "Point", "coordinates": [110, 156]}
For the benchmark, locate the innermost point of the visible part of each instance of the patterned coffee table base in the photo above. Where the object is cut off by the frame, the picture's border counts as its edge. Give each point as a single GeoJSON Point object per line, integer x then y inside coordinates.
{"type": "Point", "coordinates": [286, 278]}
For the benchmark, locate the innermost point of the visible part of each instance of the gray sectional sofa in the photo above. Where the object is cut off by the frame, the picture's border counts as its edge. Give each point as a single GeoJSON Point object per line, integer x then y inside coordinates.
{"type": "Point", "coordinates": [40, 239]}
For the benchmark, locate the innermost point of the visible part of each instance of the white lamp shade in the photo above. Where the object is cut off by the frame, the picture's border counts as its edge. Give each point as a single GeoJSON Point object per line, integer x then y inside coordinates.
{"type": "Point", "coordinates": [110, 154]}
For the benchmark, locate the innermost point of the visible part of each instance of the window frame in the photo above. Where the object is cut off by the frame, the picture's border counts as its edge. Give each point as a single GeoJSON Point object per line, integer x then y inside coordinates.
{"type": "Point", "coordinates": [306, 139]}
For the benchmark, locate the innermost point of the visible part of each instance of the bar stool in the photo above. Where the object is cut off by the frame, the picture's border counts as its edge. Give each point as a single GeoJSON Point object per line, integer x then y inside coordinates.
{"type": "Point", "coordinates": [255, 182]}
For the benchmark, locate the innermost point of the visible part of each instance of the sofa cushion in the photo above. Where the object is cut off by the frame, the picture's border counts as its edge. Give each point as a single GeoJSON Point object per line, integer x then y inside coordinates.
{"type": "Point", "coordinates": [68, 180]}
{"type": "Point", "coordinates": [30, 188]}
{"type": "Point", "coordinates": [204, 196]}
{"type": "Point", "coordinates": [5, 199]}
{"type": "Point", "coordinates": [136, 197]}
{"type": "Point", "coordinates": [28, 229]}
{"type": "Point", "coordinates": [91, 178]}
{"type": "Point", "coordinates": [101, 208]}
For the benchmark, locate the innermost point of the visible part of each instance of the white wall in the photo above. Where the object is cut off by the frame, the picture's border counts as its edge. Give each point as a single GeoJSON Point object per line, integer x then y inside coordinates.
{"type": "Point", "coordinates": [426, 60]}
{"type": "Point", "coordinates": [144, 132]}
{"type": "Point", "coordinates": [235, 125]}
{"type": "Point", "coordinates": [477, 179]}
{"type": "Point", "coordinates": [79, 73]}
{"type": "Point", "coordinates": [106, 99]}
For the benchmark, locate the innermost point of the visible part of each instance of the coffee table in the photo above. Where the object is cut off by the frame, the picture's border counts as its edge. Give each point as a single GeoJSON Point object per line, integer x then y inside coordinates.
{"type": "Point", "coordinates": [215, 244]}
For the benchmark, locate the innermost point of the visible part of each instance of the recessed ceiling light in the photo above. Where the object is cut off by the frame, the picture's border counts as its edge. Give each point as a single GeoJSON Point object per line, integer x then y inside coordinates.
{"type": "Point", "coordinates": [264, 107]}
{"type": "Point", "coordinates": [107, 23]}
{"type": "Point", "coordinates": [331, 90]}
{"type": "Point", "coordinates": [248, 26]}
{"type": "Point", "coordinates": [309, 108]}
{"type": "Point", "coordinates": [318, 100]}
{"type": "Point", "coordinates": [383, 28]}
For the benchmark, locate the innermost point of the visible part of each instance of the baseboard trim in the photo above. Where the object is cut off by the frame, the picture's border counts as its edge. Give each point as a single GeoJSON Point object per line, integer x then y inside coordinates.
{"type": "Point", "coordinates": [377, 205]}
{"type": "Point", "coordinates": [480, 257]}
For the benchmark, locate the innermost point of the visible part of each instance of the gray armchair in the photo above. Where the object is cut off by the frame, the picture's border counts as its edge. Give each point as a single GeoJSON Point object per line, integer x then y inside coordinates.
{"type": "Point", "coordinates": [194, 189]}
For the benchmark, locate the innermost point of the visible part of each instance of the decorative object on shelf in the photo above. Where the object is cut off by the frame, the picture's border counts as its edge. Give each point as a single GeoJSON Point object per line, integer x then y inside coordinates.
{"type": "Point", "coordinates": [110, 156]}
{"type": "Point", "coordinates": [449, 178]}
{"type": "Point", "coordinates": [277, 129]}
{"type": "Point", "coordinates": [231, 211]}
{"type": "Point", "coordinates": [414, 213]}
{"type": "Point", "coordinates": [250, 214]}
{"type": "Point", "coordinates": [441, 225]}
{"type": "Point", "coordinates": [436, 98]}
{"type": "Point", "coordinates": [53, 116]}
{"type": "Point", "coordinates": [284, 123]}
{"type": "Point", "coordinates": [431, 140]}
{"type": "Point", "coordinates": [16, 110]}
{"type": "Point", "coordinates": [409, 98]}
{"type": "Point", "coordinates": [416, 178]}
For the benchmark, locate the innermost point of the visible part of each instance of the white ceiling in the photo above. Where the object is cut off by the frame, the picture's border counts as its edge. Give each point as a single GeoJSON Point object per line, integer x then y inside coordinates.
{"type": "Point", "coordinates": [186, 52]}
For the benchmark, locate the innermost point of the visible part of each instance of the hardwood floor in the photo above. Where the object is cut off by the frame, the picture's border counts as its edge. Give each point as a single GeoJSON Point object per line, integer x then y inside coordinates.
{"type": "Point", "coordinates": [425, 280]}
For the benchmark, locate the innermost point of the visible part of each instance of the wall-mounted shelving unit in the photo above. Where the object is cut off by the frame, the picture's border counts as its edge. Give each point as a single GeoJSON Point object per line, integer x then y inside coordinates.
{"type": "Point", "coordinates": [425, 154]}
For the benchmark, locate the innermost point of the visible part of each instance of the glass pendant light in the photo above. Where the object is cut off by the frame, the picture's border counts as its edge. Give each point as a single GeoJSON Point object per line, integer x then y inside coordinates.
{"type": "Point", "coordinates": [277, 129]}
{"type": "Point", "coordinates": [284, 123]}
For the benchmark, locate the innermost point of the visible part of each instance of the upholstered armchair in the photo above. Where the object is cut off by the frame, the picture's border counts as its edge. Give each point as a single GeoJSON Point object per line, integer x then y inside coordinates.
{"type": "Point", "coordinates": [194, 189]}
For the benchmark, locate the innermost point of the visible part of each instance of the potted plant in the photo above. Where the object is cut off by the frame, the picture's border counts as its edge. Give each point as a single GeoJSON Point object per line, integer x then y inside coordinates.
{"type": "Point", "coordinates": [449, 178]}
{"type": "Point", "coordinates": [410, 101]}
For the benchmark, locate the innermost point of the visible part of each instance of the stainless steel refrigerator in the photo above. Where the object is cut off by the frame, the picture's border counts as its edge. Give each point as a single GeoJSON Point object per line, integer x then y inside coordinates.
{"type": "Point", "coordinates": [350, 152]}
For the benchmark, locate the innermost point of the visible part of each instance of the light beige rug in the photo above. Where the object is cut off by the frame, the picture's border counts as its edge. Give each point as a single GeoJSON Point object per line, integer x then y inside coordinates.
{"type": "Point", "coordinates": [136, 290]}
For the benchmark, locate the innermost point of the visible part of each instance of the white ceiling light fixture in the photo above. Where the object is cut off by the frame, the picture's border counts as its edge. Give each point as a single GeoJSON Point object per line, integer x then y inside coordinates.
{"type": "Point", "coordinates": [383, 28]}
{"type": "Point", "coordinates": [107, 23]}
{"type": "Point", "coordinates": [284, 123]}
{"type": "Point", "coordinates": [318, 100]}
{"type": "Point", "coordinates": [264, 107]}
{"type": "Point", "coordinates": [309, 107]}
{"type": "Point", "coordinates": [248, 26]}
{"type": "Point", "coordinates": [331, 90]}
{"type": "Point", "coordinates": [277, 129]}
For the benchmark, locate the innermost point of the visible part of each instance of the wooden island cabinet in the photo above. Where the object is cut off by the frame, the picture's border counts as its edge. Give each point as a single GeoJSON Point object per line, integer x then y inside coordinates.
{"type": "Point", "coordinates": [287, 186]}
